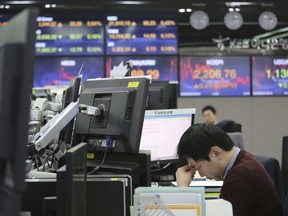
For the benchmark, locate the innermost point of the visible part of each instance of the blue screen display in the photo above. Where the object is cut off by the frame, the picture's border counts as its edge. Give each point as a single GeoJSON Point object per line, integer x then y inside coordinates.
{"type": "Point", "coordinates": [215, 76]}
{"type": "Point", "coordinates": [140, 35]}
{"type": "Point", "coordinates": [270, 75]}
{"type": "Point", "coordinates": [51, 71]}
{"type": "Point", "coordinates": [69, 35]}
{"type": "Point", "coordinates": [162, 68]}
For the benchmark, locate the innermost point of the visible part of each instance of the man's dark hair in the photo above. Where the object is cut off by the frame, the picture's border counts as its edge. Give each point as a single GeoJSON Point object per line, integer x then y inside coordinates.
{"type": "Point", "coordinates": [197, 141]}
{"type": "Point", "coordinates": [209, 107]}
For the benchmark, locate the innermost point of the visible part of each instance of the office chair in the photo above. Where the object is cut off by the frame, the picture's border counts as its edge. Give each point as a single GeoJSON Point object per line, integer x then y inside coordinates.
{"type": "Point", "coordinates": [285, 206]}
{"type": "Point", "coordinates": [272, 167]}
{"type": "Point", "coordinates": [237, 138]}
{"type": "Point", "coordinates": [230, 126]}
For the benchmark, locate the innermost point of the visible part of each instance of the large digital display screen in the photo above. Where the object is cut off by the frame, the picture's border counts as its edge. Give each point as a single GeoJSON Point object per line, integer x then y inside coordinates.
{"type": "Point", "coordinates": [4, 19]}
{"type": "Point", "coordinates": [140, 35]}
{"type": "Point", "coordinates": [215, 76]}
{"type": "Point", "coordinates": [52, 71]}
{"type": "Point", "coordinates": [270, 75]}
{"type": "Point", "coordinates": [161, 68]}
{"type": "Point", "coordinates": [69, 35]}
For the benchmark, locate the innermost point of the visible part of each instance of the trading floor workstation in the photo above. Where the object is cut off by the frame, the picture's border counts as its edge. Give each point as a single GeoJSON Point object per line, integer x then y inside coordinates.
{"type": "Point", "coordinates": [108, 145]}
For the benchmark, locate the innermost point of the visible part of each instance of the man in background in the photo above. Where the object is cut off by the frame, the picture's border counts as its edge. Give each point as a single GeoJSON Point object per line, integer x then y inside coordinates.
{"type": "Point", "coordinates": [210, 117]}
{"type": "Point", "coordinates": [209, 114]}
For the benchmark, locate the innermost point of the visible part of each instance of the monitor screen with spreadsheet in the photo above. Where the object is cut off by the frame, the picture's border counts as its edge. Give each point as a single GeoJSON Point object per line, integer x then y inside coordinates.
{"type": "Point", "coordinates": [162, 130]}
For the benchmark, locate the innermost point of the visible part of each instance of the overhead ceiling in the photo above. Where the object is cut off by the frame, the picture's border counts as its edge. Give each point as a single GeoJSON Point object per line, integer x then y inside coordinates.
{"type": "Point", "coordinates": [188, 37]}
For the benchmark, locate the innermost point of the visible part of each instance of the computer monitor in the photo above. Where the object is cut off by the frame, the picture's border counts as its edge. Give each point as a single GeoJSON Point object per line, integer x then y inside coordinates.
{"type": "Point", "coordinates": [162, 95]}
{"type": "Point", "coordinates": [70, 94]}
{"type": "Point", "coordinates": [71, 183]}
{"type": "Point", "coordinates": [162, 130]}
{"type": "Point", "coordinates": [284, 161]}
{"type": "Point", "coordinates": [121, 105]}
{"type": "Point", "coordinates": [17, 46]}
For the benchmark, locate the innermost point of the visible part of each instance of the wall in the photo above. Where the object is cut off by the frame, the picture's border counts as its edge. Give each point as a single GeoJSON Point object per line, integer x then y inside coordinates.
{"type": "Point", "coordinates": [264, 119]}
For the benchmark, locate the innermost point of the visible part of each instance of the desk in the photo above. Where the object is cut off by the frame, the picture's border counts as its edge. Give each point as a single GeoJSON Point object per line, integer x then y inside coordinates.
{"type": "Point", "coordinates": [203, 183]}
{"type": "Point", "coordinates": [212, 187]}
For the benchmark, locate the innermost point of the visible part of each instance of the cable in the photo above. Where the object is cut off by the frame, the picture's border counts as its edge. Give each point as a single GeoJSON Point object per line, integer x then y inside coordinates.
{"type": "Point", "coordinates": [100, 165]}
{"type": "Point", "coordinates": [46, 160]}
{"type": "Point", "coordinates": [36, 162]}
{"type": "Point", "coordinates": [162, 168]}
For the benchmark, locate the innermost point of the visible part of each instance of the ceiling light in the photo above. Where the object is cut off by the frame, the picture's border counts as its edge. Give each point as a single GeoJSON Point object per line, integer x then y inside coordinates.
{"type": "Point", "coordinates": [132, 2]}
{"type": "Point", "coordinates": [237, 9]}
{"type": "Point", "coordinates": [47, 5]}
{"type": "Point", "coordinates": [53, 5]}
{"type": "Point", "coordinates": [7, 6]}
{"type": "Point", "coordinates": [189, 10]}
{"type": "Point", "coordinates": [2, 6]}
{"type": "Point", "coordinates": [238, 4]}
{"type": "Point", "coordinates": [182, 10]}
{"type": "Point", "coordinates": [231, 9]}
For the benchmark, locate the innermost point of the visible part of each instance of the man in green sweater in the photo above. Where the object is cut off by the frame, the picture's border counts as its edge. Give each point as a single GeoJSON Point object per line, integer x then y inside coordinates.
{"type": "Point", "coordinates": [246, 184]}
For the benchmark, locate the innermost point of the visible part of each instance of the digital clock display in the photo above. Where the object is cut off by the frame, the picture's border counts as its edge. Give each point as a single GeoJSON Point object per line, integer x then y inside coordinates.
{"type": "Point", "coordinates": [161, 68]}
{"type": "Point", "coordinates": [215, 76]}
{"type": "Point", "coordinates": [140, 35]}
{"type": "Point", "coordinates": [69, 35]}
{"type": "Point", "coordinates": [270, 75]}
{"type": "Point", "coordinates": [58, 71]}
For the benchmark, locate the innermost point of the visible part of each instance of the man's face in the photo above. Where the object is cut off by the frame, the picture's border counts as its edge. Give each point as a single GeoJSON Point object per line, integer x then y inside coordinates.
{"type": "Point", "coordinates": [209, 117]}
{"type": "Point", "coordinates": [211, 169]}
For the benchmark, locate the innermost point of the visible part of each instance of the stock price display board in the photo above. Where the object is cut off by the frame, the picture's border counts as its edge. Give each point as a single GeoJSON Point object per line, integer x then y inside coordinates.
{"type": "Point", "coordinates": [59, 71]}
{"type": "Point", "coordinates": [270, 75]}
{"type": "Point", "coordinates": [68, 35]}
{"type": "Point", "coordinates": [161, 68]}
{"type": "Point", "coordinates": [4, 19]}
{"type": "Point", "coordinates": [141, 35]}
{"type": "Point", "coordinates": [215, 76]}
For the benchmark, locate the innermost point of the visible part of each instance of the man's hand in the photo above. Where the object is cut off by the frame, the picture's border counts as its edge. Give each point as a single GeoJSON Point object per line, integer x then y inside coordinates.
{"type": "Point", "coordinates": [184, 175]}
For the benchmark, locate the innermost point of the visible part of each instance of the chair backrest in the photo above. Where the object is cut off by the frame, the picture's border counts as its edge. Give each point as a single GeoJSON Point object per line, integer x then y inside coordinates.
{"type": "Point", "coordinates": [286, 206]}
{"type": "Point", "coordinates": [272, 167]}
{"type": "Point", "coordinates": [218, 207]}
{"type": "Point", "coordinates": [237, 138]}
{"type": "Point", "coordinates": [284, 163]}
{"type": "Point", "coordinates": [230, 126]}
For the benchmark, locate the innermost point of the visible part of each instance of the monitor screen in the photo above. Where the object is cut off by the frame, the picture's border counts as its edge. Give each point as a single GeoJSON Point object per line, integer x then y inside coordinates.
{"type": "Point", "coordinates": [4, 18]}
{"type": "Point", "coordinates": [141, 34]}
{"type": "Point", "coordinates": [162, 130]}
{"type": "Point", "coordinates": [69, 35]}
{"type": "Point", "coordinates": [17, 44]}
{"type": "Point", "coordinates": [161, 68]}
{"type": "Point", "coordinates": [215, 76]}
{"type": "Point", "coordinates": [59, 71]}
{"type": "Point", "coordinates": [270, 75]}
{"type": "Point", "coordinates": [71, 183]}
{"type": "Point", "coordinates": [71, 94]}
{"type": "Point", "coordinates": [117, 123]}
{"type": "Point", "coordinates": [162, 95]}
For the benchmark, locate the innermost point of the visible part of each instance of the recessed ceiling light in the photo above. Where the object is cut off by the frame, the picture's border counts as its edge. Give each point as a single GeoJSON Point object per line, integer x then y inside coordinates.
{"type": "Point", "coordinates": [237, 9]}
{"type": "Point", "coordinates": [132, 2]}
{"type": "Point", "coordinates": [231, 9]}
{"type": "Point", "coordinates": [7, 6]}
{"type": "Point", "coordinates": [47, 5]}
{"type": "Point", "coordinates": [182, 10]}
{"type": "Point", "coordinates": [189, 10]}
